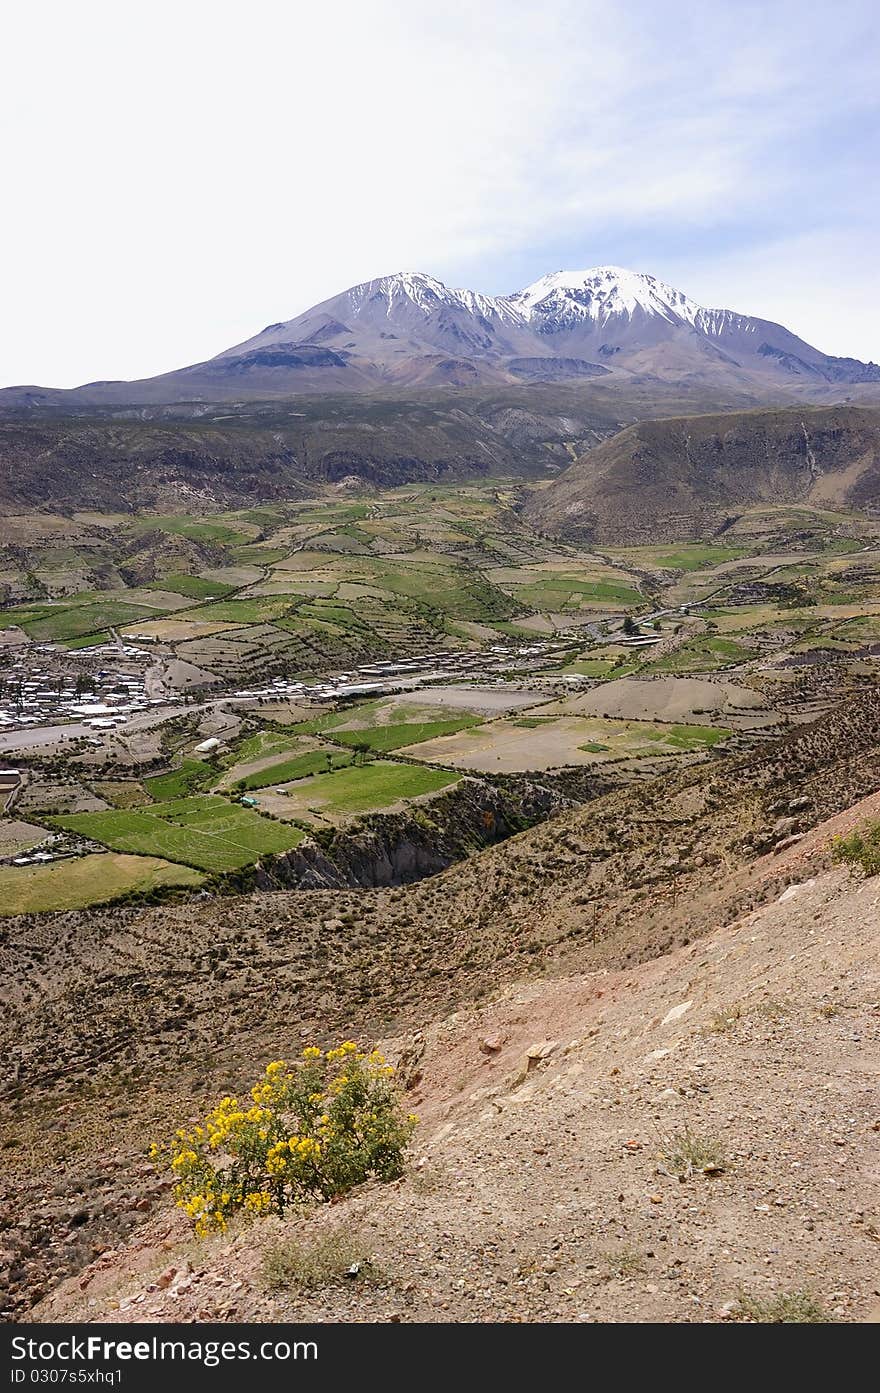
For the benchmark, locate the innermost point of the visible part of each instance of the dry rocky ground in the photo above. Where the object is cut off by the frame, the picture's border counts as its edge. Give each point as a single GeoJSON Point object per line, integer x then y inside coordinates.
{"type": "Point", "coordinates": [657, 982]}
{"type": "Point", "coordinates": [545, 1185]}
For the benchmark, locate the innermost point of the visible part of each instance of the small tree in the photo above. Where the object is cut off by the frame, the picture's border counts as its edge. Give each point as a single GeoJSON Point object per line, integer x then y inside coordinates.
{"type": "Point", "coordinates": [630, 626]}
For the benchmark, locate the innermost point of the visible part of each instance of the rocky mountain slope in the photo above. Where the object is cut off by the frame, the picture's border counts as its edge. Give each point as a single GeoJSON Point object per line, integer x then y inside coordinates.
{"type": "Point", "coordinates": [193, 1004]}
{"type": "Point", "coordinates": [207, 461]}
{"type": "Point", "coordinates": [688, 477]}
{"type": "Point", "coordinates": [564, 1126]}
{"type": "Point", "coordinates": [409, 330]}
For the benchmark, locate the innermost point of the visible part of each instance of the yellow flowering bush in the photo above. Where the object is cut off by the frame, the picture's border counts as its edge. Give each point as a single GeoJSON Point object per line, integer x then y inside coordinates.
{"type": "Point", "coordinates": [312, 1129]}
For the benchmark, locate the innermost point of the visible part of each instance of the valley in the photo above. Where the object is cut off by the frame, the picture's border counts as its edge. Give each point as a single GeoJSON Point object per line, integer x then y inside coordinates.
{"type": "Point", "coordinates": [230, 685]}
{"type": "Point", "coordinates": [319, 666]}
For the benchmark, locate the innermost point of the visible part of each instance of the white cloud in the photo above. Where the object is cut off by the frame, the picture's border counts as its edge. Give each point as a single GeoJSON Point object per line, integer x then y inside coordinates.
{"type": "Point", "coordinates": [179, 174]}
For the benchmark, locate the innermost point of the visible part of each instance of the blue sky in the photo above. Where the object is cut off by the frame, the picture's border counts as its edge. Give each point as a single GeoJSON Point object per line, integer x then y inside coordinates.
{"type": "Point", "coordinates": [181, 174]}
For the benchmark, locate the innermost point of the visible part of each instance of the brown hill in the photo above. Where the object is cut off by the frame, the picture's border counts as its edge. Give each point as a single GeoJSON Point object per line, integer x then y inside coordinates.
{"type": "Point", "coordinates": [558, 1173]}
{"type": "Point", "coordinates": [688, 476]}
{"type": "Point", "coordinates": [221, 459]}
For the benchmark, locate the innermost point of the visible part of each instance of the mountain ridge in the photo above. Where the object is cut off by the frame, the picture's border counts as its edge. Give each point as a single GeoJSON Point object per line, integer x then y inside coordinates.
{"type": "Point", "coordinates": [408, 329]}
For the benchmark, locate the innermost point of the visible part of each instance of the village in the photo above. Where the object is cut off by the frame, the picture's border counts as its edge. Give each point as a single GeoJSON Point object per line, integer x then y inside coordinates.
{"type": "Point", "coordinates": [41, 684]}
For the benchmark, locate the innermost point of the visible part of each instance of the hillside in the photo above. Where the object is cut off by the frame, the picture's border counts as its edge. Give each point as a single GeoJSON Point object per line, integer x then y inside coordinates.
{"type": "Point", "coordinates": [690, 476]}
{"type": "Point", "coordinates": [210, 461]}
{"type": "Point", "coordinates": [638, 873]}
{"type": "Point", "coordinates": [191, 456]}
{"type": "Point", "coordinates": [558, 1119]}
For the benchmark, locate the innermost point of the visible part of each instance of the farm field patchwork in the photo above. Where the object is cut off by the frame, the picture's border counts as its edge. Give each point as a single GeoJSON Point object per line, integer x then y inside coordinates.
{"type": "Point", "coordinates": [389, 724]}
{"type": "Point", "coordinates": [686, 556]}
{"type": "Point", "coordinates": [400, 735]}
{"type": "Point", "coordinates": [73, 621]}
{"type": "Point", "coordinates": [318, 761]}
{"type": "Point", "coordinates": [555, 593]}
{"type": "Point", "coordinates": [703, 654]}
{"type": "Point", "coordinates": [219, 528]}
{"type": "Point", "coordinates": [195, 587]}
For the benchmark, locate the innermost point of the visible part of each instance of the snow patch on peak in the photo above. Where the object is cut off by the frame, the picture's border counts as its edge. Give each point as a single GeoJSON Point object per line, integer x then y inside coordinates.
{"type": "Point", "coordinates": [603, 292]}
{"type": "Point", "coordinates": [414, 286]}
{"type": "Point", "coordinates": [428, 295]}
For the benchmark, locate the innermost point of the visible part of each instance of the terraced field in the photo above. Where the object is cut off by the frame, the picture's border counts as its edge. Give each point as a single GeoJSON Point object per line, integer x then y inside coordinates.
{"type": "Point", "coordinates": [297, 767]}
{"type": "Point", "coordinates": [208, 833]}
{"type": "Point", "coordinates": [267, 757]}
{"type": "Point", "coordinates": [188, 777]}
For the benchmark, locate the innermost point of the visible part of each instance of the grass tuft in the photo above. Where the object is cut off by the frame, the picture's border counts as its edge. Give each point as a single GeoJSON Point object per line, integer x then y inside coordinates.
{"type": "Point", "coordinates": [786, 1308]}
{"type": "Point", "coordinates": [328, 1260]}
{"type": "Point", "coordinates": [686, 1154]}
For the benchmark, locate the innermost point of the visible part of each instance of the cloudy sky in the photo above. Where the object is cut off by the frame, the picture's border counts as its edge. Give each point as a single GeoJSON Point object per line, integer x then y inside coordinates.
{"type": "Point", "coordinates": [177, 175]}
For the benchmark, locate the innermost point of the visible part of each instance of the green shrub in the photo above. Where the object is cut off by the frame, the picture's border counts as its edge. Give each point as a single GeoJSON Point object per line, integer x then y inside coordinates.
{"type": "Point", "coordinates": [313, 1129]}
{"type": "Point", "coordinates": [860, 848]}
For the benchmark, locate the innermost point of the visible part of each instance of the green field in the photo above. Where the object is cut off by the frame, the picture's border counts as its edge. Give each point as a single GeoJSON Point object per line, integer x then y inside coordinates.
{"type": "Point", "coordinates": [299, 767]}
{"type": "Point", "coordinates": [687, 556]}
{"type": "Point", "coordinates": [260, 745]}
{"type": "Point", "coordinates": [365, 788]}
{"type": "Point", "coordinates": [398, 735]}
{"type": "Point", "coordinates": [194, 586]}
{"type": "Point", "coordinates": [198, 529]}
{"type": "Point", "coordinates": [260, 555]}
{"type": "Point", "coordinates": [589, 667]}
{"type": "Point", "coordinates": [456, 590]}
{"type": "Point", "coordinates": [192, 775]}
{"type": "Point", "coordinates": [256, 610]}
{"type": "Point", "coordinates": [90, 640]}
{"type": "Point", "coordinates": [206, 832]}
{"type": "Point", "coordinates": [383, 725]}
{"type": "Point", "coordinates": [864, 628]}
{"type": "Point", "coordinates": [73, 620]}
{"type": "Point", "coordinates": [559, 592]}
{"type": "Point", "coordinates": [329, 721]}
{"type": "Point", "coordinates": [85, 880]}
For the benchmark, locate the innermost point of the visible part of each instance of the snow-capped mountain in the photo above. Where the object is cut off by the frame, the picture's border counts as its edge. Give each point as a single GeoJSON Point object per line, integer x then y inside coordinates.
{"type": "Point", "coordinates": [410, 327]}
{"type": "Point", "coordinates": [409, 330]}
{"type": "Point", "coordinates": [601, 294]}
